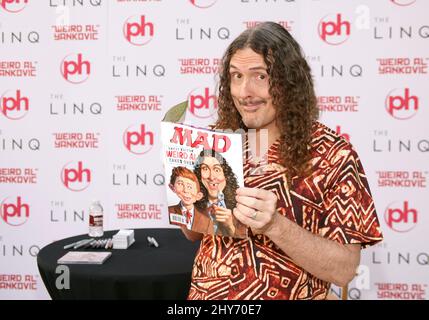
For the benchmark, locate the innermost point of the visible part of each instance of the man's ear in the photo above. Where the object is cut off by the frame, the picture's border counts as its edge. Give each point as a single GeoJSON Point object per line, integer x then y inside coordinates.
{"type": "Point", "coordinates": [172, 187]}
{"type": "Point", "coordinates": [199, 196]}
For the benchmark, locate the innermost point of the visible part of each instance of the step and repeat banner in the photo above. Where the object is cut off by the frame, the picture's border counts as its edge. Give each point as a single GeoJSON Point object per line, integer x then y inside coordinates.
{"type": "Point", "coordinates": [85, 83]}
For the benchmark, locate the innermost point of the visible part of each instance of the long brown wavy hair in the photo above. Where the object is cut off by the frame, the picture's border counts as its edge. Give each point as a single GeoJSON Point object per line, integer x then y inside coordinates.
{"type": "Point", "coordinates": [231, 180]}
{"type": "Point", "coordinates": [291, 90]}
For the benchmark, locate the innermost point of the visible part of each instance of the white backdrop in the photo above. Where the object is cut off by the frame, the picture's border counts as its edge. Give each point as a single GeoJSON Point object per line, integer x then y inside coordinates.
{"type": "Point", "coordinates": [84, 85]}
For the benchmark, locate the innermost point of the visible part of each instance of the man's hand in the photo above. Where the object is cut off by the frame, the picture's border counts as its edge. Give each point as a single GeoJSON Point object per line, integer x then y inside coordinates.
{"type": "Point", "coordinates": [224, 216]}
{"type": "Point", "coordinates": [326, 259]}
{"type": "Point", "coordinates": [256, 208]}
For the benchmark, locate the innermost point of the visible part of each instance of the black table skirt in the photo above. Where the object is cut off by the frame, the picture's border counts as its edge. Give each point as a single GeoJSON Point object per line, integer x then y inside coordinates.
{"type": "Point", "coordinates": [139, 272]}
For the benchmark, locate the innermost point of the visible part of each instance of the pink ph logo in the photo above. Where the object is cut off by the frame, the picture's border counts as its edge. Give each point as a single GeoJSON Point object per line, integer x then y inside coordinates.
{"type": "Point", "coordinates": [14, 106]}
{"type": "Point", "coordinates": [403, 3]}
{"type": "Point", "coordinates": [342, 134]}
{"type": "Point", "coordinates": [138, 30]}
{"type": "Point", "coordinates": [138, 140]}
{"type": "Point", "coordinates": [401, 104]}
{"type": "Point", "coordinates": [13, 6]}
{"type": "Point", "coordinates": [334, 29]}
{"type": "Point", "coordinates": [75, 176]}
{"type": "Point", "coordinates": [401, 219]}
{"type": "Point", "coordinates": [202, 103]}
{"type": "Point", "coordinates": [203, 4]}
{"type": "Point", "coordinates": [14, 213]}
{"type": "Point", "coordinates": [75, 69]}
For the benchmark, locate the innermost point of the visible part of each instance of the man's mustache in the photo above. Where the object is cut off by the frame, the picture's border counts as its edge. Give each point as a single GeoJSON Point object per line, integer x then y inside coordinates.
{"type": "Point", "coordinates": [246, 102]}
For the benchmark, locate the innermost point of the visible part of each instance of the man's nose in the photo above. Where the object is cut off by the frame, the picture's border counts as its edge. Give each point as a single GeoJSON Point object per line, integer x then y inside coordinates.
{"type": "Point", "coordinates": [245, 89]}
{"type": "Point", "coordinates": [212, 175]}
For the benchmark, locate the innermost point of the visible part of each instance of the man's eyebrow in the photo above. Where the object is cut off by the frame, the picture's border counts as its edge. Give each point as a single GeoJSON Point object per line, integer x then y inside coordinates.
{"type": "Point", "coordinates": [253, 68]}
{"type": "Point", "coordinates": [214, 166]}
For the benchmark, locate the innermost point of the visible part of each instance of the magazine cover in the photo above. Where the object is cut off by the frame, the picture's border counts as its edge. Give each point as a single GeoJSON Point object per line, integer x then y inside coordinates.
{"type": "Point", "coordinates": [203, 169]}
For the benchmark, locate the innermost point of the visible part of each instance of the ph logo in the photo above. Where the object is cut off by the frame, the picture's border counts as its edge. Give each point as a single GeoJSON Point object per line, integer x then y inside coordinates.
{"type": "Point", "coordinates": [203, 4]}
{"type": "Point", "coordinates": [14, 107]}
{"type": "Point", "coordinates": [403, 3]}
{"type": "Point", "coordinates": [13, 6]}
{"type": "Point", "coordinates": [74, 69]}
{"type": "Point", "coordinates": [138, 140]}
{"type": "Point", "coordinates": [75, 177]}
{"type": "Point", "coordinates": [138, 31]}
{"type": "Point", "coordinates": [202, 103]}
{"type": "Point", "coordinates": [14, 213]}
{"type": "Point", "coordinates": [341, 134]}
{"type": "Point", "coordinates": [403, 105]}
{"type": "Point", "coordinates": [401, 219]}
{"type": "Point", "coordinates": [334, 30]}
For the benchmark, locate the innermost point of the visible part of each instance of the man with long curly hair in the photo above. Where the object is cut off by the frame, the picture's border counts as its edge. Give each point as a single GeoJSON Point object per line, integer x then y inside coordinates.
{"type": "Point", "coordinates": [218, 186]}
{"type": "Point", "coordinates": [306, 201]}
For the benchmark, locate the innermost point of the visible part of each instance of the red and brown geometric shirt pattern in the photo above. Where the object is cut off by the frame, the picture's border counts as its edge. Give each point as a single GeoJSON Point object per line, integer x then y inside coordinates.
{"type": "Point", "coordinates": [334, 201]}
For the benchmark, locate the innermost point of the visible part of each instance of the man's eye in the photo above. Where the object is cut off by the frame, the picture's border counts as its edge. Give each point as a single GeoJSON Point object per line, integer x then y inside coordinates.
{"type": "Point", "coordinates": [236, 76]}
{"type": "Point", "coordinates": [262, 77]}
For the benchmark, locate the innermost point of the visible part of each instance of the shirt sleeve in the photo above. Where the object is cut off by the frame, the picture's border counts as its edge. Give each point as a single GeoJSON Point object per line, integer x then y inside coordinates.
{"type": "Point", "coordinates": [349, 212]}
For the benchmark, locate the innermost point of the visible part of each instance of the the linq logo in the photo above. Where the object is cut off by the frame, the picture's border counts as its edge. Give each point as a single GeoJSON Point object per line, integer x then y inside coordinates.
{"type": "Point", "coordinates": [334, 29]}
{"type": "Point", "coordinates": [138, 140]}
{"type": "Point", "coordinates": [401, 219]}
{"type": "Point", "coordinates": [14, 107]}
{"type": "Point", "coordinates": [138, 30]}
{"type": "Point", "coordinates": [202, 103]}
{"type": "Point", "coordinates": [74, 69]}
{"type": "Point", "coordinates": [203, 4]}
{"type": "Point", "coordinates": [403, 3]}
{"type": "Point", "coordinates": [401, 104]}
{"type": "Point", "coordinates": [75, 177]}
{"type": "Point", "coordinates": [13, 6]}
{"type": "Point", "coordinates": [14, 213]}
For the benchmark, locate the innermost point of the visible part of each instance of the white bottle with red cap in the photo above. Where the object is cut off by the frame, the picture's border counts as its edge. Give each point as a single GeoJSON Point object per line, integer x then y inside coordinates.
{"type": "Point", "coordinates": [95, 219]}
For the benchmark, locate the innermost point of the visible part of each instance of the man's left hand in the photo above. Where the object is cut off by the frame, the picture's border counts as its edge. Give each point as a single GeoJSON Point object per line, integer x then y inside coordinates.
{"type": "Point", "coordinates": [256, 208]}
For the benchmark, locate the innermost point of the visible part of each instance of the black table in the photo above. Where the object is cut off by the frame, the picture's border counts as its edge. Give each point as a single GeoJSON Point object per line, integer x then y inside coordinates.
{"type": "Point", "coordinates": [139, 272]}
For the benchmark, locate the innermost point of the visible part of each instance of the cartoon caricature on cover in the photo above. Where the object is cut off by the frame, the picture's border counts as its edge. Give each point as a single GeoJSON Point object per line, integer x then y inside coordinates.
{"type": "Point", "coordinates": [203, 170]}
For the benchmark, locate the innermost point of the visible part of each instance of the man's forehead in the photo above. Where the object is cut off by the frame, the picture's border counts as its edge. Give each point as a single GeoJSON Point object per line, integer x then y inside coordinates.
{"type": "Point", "coordinates": [186, 180]}
{"type": "Point", "coordinates": [210, 161]}
{"type": "Point", "coordinates": [248, 59]}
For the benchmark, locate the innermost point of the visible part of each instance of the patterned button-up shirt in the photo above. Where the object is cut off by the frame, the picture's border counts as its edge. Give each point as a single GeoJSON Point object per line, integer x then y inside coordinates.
{"type": "Point", "coordinates": [334, 201]}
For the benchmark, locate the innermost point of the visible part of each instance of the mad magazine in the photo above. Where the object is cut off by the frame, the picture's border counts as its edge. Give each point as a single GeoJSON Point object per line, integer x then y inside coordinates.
{"type": "Point", "coordinates": [203, 169]}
